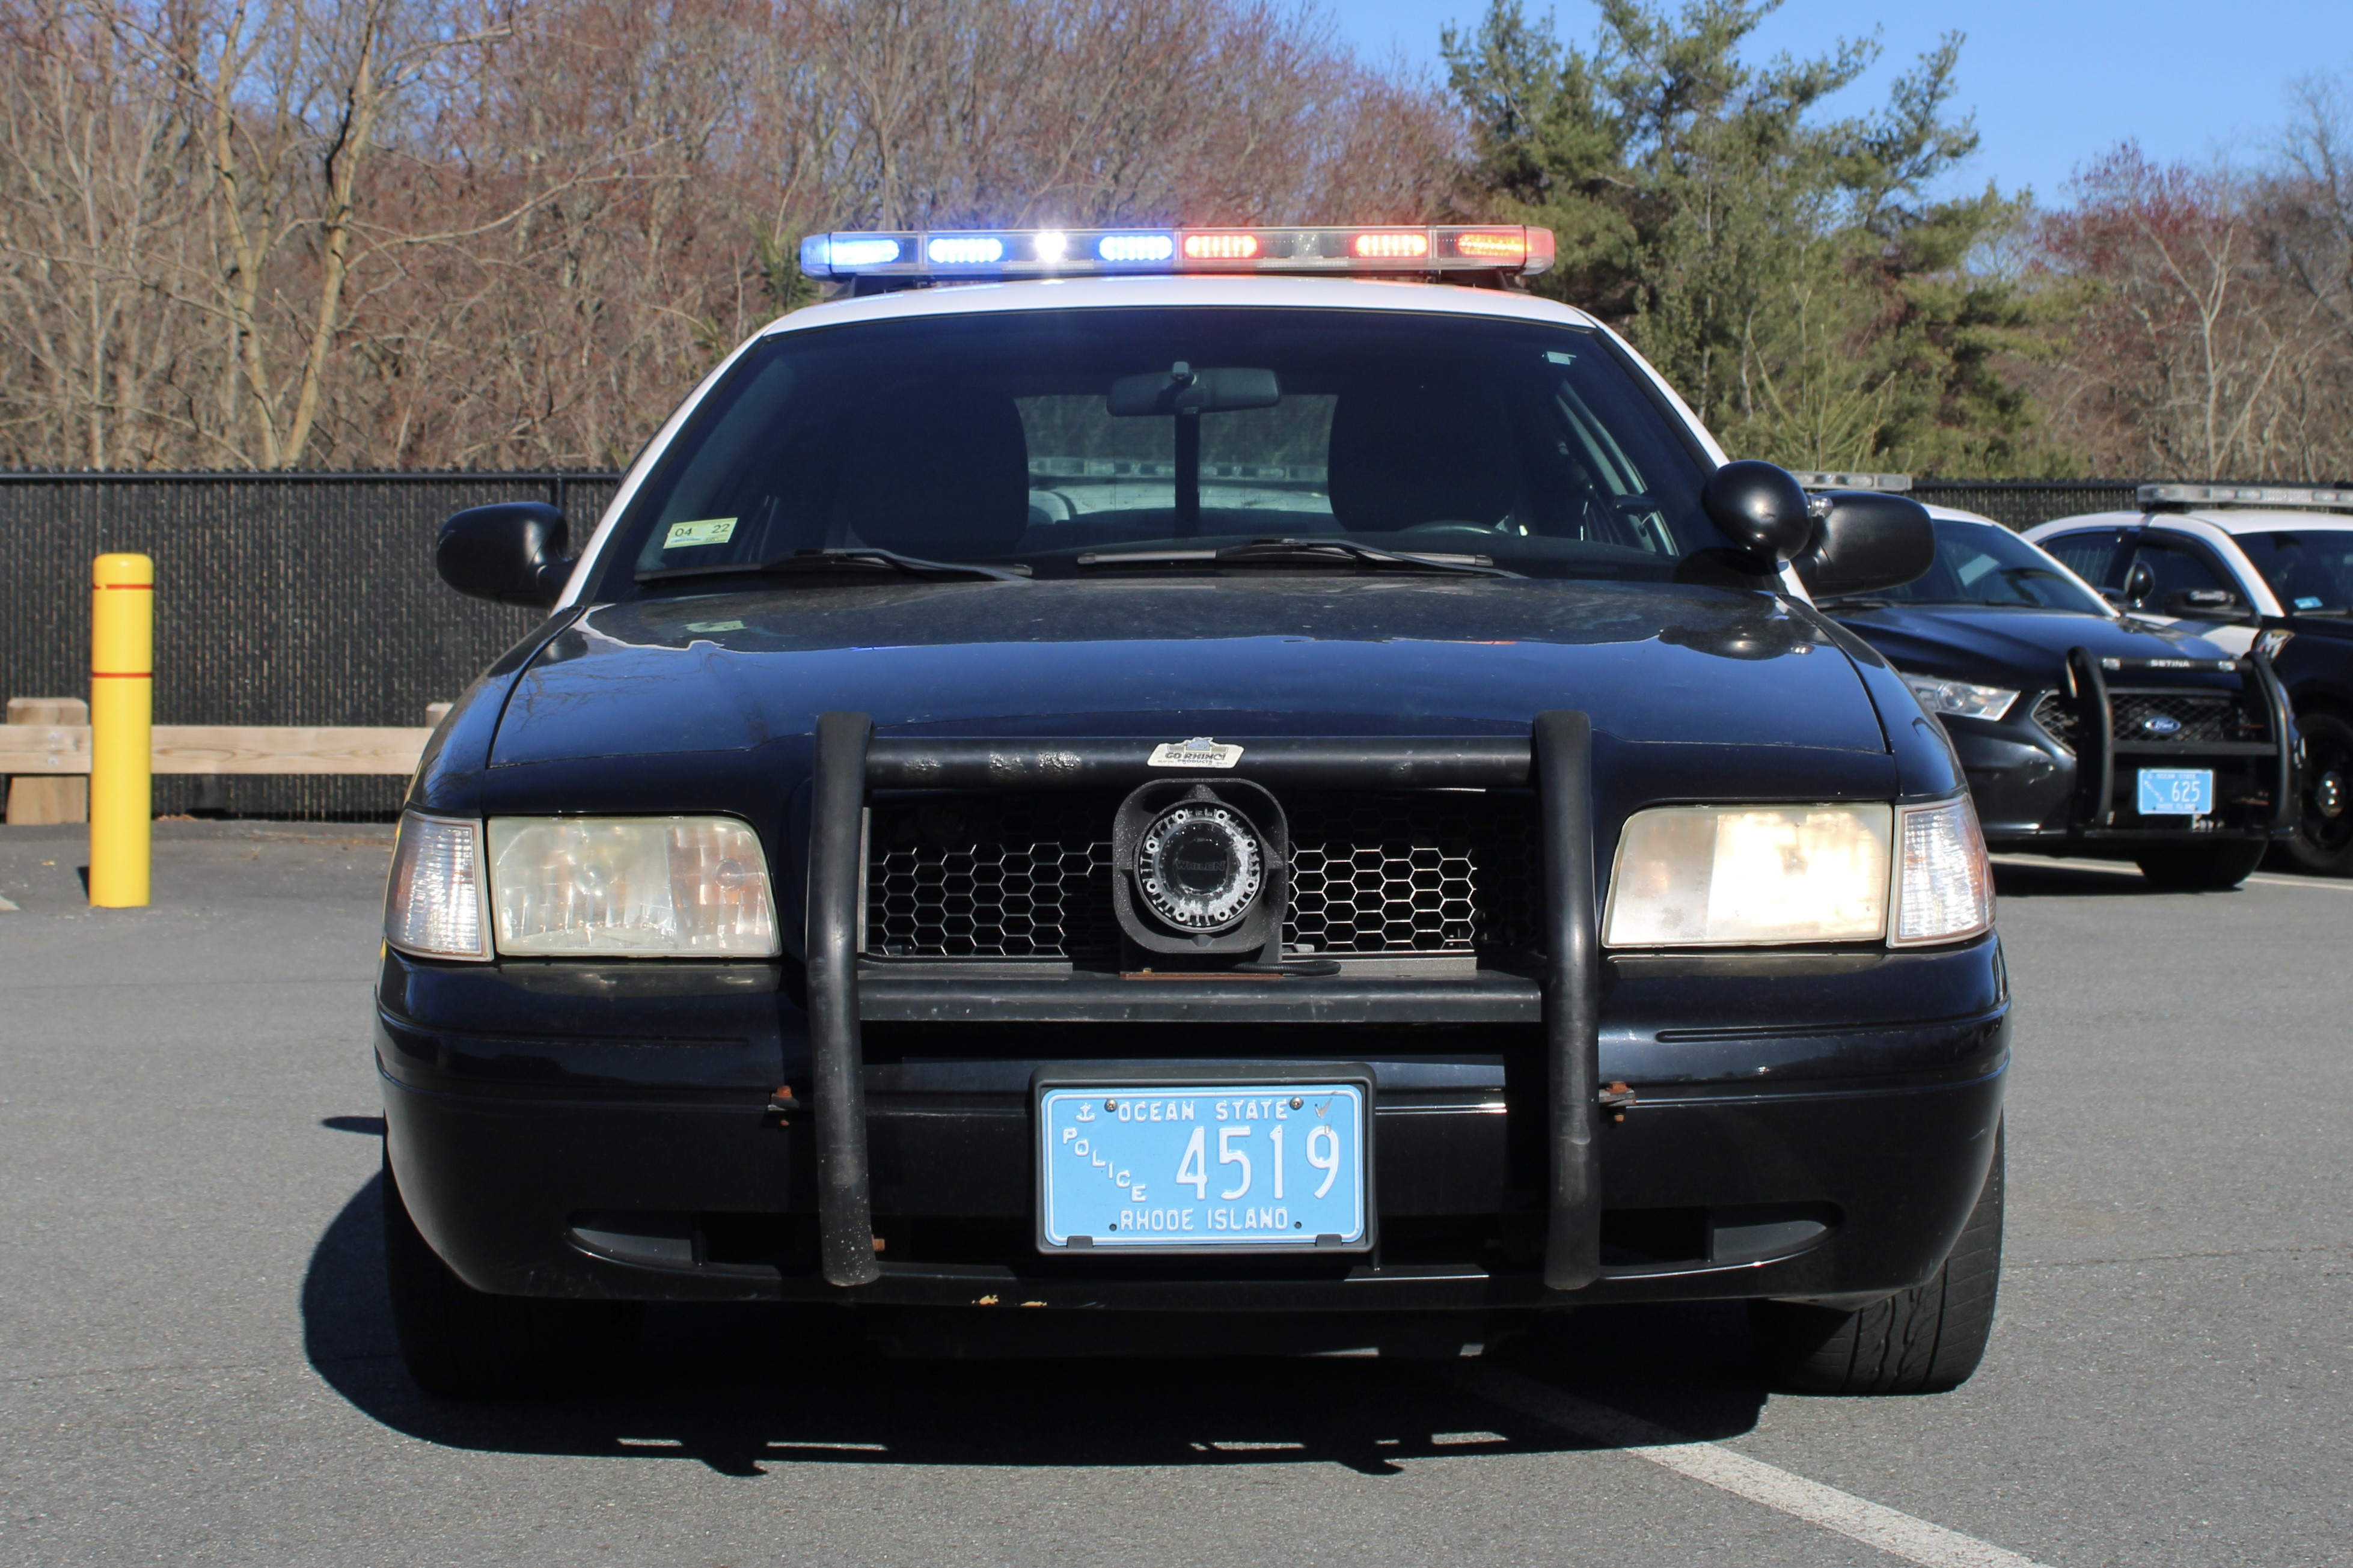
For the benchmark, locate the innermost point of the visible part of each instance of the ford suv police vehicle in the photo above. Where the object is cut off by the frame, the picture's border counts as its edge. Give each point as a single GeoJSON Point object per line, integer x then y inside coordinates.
{"type": "Point", "coordinates": [2266, 572]}
{"type": "Point", "coordinates": [1155, 787]}
{"type": "Point", "coordinates": [2081, 730]}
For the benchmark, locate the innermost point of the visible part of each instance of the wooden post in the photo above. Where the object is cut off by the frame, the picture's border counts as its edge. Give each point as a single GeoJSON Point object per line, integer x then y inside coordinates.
{"type": "Point", "coordinates": [58, 798]}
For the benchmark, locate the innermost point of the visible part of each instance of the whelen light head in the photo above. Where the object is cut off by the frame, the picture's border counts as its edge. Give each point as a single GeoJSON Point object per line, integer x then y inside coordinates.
{"type": "Point", "coordinates": [940, 254]}
{"type": "Point", "coordinates": [2277, 498]}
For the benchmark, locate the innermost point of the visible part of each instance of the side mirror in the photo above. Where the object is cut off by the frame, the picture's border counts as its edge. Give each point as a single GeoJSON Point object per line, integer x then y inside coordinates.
{"type": "Point", "coordinates": [1867, 540]}
{"type": "Point", "coordinates": [1761, 509]}
{"type": "Point", "coordinates": [512, 553]}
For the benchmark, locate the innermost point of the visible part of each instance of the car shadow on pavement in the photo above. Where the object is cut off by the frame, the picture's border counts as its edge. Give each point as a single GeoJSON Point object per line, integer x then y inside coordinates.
{"type": "Point", "coordinates": [742, 1389]}
{"type": "Point", "coordinates": [2012, 880]}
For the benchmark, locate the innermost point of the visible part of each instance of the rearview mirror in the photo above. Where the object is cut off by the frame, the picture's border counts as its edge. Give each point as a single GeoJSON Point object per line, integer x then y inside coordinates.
{"type": "Point", "coordinates": [1866, 541]}
{"type": "Point", "coordinates": [510, 553]}
{"type": "Point", "coordinates": [1181, 389]}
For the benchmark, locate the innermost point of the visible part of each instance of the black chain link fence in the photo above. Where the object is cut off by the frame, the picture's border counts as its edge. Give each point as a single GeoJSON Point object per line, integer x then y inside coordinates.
{"type": "Point", "coordinates": [311, 598]}
{"type": "Point", "coordinates": [2023, 503]}
{"type": "Point", "coordinates": [279, 599]}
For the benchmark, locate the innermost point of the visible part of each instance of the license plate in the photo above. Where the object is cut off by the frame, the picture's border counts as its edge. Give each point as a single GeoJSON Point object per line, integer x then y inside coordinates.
{"type": "Point", "coordinates": [1202, 1167]}
{"type": "Point", "coordinates": [2176, 792]}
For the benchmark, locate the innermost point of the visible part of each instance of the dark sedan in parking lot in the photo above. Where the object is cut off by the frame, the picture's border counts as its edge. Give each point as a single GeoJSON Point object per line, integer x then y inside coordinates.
{"type": "Point", "coordinates": [2083, 730]}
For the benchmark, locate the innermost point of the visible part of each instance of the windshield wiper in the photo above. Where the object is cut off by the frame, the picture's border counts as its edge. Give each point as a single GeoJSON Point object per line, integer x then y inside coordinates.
{"type": "Point", "coordinates": [1298, 551]}
{"type": "Point", "coordinates": [862, 558]}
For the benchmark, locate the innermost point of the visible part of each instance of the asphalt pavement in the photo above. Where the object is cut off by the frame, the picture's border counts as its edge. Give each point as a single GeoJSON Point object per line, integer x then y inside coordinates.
{"type": "Point", "coordinates": [197, 1366]}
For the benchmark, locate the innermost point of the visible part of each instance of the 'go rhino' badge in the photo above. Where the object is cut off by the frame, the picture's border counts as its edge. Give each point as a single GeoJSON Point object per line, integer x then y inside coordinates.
{"type": "Point", "coordinates": [1200, 752]}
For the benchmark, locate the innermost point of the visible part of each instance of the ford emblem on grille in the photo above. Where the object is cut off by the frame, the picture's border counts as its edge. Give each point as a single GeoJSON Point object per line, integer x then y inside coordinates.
{"type": "Point", "coordinates": [2162, 724]}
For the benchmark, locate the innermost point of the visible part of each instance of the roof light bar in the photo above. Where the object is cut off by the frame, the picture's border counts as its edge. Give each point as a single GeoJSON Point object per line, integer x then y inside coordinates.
{"type": "Point", "coordinates": [2294, 498]}
{"type": "Point", "coordinates": [1817, 479]}
{"type": "Point", "coordinates": [1055, 253]}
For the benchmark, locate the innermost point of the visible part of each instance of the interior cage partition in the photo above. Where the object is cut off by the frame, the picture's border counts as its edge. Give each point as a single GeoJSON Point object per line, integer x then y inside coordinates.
{"type": "Point", "coordinates": [851, 759]}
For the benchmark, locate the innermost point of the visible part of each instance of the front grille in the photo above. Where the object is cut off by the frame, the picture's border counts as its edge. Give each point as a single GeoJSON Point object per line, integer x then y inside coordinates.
{"type": "Point", "coordinates": [2059, 721]}
{"type": "Point", "coordinates": [1030, 875]}
{"type": "Point", "coordinates": [991, 877]}
{"type": "Point", "coordinates": [2207, 716]}
{"type": "Point", "coordinates": [2203, 717]}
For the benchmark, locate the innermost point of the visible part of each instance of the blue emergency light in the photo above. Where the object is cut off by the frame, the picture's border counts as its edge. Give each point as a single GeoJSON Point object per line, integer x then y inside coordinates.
{"type": "Point", "coordinates": [1063, 253]}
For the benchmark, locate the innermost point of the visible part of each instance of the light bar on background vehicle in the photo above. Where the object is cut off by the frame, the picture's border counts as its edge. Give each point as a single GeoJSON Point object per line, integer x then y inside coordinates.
{"type": "Point", "coordinates": [1815, 479]}
{"type": "Point", "coordinates": [1062, 253]}
{"type": "Point", "coordinates": [2297, 498]}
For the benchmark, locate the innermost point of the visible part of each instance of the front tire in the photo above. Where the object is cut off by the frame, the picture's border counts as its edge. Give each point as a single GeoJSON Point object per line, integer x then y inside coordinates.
{"type": "Point", "coordinates": [461, 1343]}
{"type": "Point", "coordinates": [2202, 868]}
{"type": "Point", "coordinates": [1926, 1340]}
{"type": "Point", "coordinates": [2323, 843]}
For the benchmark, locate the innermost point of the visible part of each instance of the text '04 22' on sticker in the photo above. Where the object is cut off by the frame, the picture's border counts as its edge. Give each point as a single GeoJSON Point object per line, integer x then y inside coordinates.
{"type": "Point", "coordinates": [702, 531]}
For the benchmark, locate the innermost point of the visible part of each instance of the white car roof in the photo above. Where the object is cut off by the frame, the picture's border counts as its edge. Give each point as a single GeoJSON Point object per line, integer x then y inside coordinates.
{"type": "Point", "coordinates": [2229, 520]}
{"type": "Point", "coordinates": [1134, 292]}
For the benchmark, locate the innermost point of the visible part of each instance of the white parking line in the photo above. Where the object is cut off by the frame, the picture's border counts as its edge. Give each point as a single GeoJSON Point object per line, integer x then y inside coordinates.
{"type": "Point", "coordinates": [1897, 1534]}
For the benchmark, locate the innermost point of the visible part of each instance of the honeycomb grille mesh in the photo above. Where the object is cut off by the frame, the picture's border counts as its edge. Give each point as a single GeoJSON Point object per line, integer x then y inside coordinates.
{"type": "Point", "coordinates": [2204, 716]}
{"type": "Point", "coordinates": [1030, 877]}
{"type": "Point", "coordinates": [2059, 721]}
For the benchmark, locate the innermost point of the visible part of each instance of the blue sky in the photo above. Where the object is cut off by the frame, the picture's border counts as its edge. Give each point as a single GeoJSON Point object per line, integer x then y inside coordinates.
{"type": "Point", "coordinates": [2053, 82]}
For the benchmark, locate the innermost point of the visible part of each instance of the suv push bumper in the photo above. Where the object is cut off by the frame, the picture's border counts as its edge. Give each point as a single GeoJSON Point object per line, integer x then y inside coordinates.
{"type": "Point", "coordinates": [2033, 790]}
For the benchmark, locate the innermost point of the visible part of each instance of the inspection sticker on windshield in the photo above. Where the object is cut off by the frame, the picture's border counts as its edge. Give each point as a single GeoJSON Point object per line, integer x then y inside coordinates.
{"type": "Point", "coordinates": [2176, 792]}
{"type": "Point", "coordinates": [1230, 1165]}
{"type": "Point", "coordinates": [703, 530]}
{"type": "Point", "coordinates": [1200, 752]}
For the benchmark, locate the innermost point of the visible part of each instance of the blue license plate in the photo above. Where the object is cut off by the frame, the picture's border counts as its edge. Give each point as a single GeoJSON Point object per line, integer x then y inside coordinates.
{"type": "Point", "coordinates": [1239, 1166]}
{"type": "Point", "coordinates": [2176, 792]}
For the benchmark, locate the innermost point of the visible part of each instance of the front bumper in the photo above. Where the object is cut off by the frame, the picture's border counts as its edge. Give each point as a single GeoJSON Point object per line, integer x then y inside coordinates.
{"type": "Point", "coordinates": [1807, 1124]}
{"type": "Point", "coordinates": [2034, 790]}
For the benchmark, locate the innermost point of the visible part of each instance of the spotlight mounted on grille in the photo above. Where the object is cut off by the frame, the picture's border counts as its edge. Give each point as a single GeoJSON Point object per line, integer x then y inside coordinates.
{"type": "Point", "coordinates": [1202, 871]}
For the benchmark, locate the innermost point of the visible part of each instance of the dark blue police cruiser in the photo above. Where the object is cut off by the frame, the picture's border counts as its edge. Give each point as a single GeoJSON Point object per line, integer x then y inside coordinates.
{"type": "Point", "coordinates": [1255, 786]}
{"type": "Point", "coordinates": [2081, 730]}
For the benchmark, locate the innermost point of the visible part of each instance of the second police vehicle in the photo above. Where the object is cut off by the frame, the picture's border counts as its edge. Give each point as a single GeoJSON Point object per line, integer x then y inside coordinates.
{"type": "Point", "coordinates": [2083, 729]}
{"type": "Point", "coordinates": [2266, 571]}
{"type": "Point", "coordinates": [1240, 786]}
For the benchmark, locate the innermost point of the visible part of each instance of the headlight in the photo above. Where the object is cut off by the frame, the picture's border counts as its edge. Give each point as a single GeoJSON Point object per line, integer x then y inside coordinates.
{"type": "Point", "coordinates": [1939, 695]}
{"type": "Point", "coordinates": [1709, 876]}
{"type": "Point", "coordinates": [1701, 875]}
{"type": "Point", "coordinates": [635, 887]}
{"type": "Point", "coordinates": [1944, 888]}
{"type": "Point", "coordinates": [433, 906]}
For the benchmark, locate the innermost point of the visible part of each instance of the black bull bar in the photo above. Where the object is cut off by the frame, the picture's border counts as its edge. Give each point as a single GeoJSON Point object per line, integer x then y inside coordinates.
{"type": "Point", "coordinates": [1557, 755]}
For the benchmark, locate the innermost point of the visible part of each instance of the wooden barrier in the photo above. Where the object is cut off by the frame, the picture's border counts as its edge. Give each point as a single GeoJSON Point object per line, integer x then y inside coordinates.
{"type": "Point", "coordinates": [59, 797]}
{"type": "Point", "coordinates": [45, 752]}
{"type": "Point", "coordinates": [38, 749]}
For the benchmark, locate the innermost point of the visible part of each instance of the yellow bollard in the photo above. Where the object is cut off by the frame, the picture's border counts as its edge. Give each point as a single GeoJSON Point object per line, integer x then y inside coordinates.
{"type": "Point", "coordinates": [122, 741]}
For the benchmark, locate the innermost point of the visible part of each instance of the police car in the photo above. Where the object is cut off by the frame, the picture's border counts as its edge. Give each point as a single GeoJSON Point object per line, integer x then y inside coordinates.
{"type": "Point", "coordinates": [1248, 788]}
{"type": "Point", "coordinates": [2266, 572]}
{"type": "Point", "coordinates": [2082, 731]}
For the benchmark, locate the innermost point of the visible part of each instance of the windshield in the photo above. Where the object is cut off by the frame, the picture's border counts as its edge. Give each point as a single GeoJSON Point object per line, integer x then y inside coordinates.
{"type": "Point", "coordinates": [1985, 563]}
{"type": "Point", "coordinates": [2312, 572]}
{"type": "Point", "coordinates": [1031, 439]}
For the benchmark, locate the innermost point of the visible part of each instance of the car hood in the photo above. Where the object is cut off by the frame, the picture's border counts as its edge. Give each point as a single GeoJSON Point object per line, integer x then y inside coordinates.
{"type": "Point", "coordinates": [1229, 657]}
{"type": "Point", "coordinates": [2025, 649]}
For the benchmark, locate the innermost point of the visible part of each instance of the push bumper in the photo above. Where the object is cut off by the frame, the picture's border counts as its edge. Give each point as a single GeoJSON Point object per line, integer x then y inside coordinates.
{"type": "Point", "coordinates": [1761, 1158]}
{"type": "Point", "coordinates": [2033, 791]}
